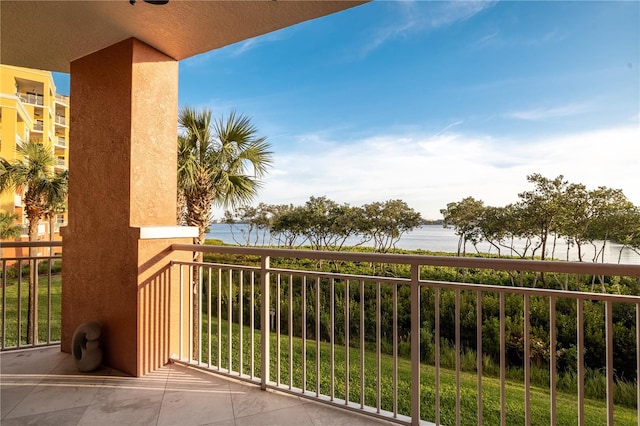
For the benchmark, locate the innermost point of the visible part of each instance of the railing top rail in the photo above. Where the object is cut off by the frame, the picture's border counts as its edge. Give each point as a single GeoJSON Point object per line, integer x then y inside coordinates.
{"type": "Point", "coordinates": [21, 244]}
{"type": "Point", "coordinates": [566, 294]}
{"type": "Point", "coordinates": [28, 258]}
{"type": "Point", "coordinates": [609, 269]}
{"type": "Point", "coordinates": [285, 271]}
{"type": "Point", "coordinates": [216, 265]}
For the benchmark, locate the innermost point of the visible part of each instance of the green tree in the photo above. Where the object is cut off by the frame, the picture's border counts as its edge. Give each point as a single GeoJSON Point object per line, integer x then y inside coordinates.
{"type": "Point", "coordinates": [541, 207]}
{"type": "Point", "coordinates": [465, 217]}
{"type": "Point", "coordinates": [612, 214]}
{"type": "Point", "coordinates": [326, 224]}
{"type": "Point", "coordinates": [385, 223]}
{"type": "Point", "coordinates": [8, 227]}
{"type": "Point", "coordinates": [33, 174]}
{"type": "Point", "coordinates": [575, 216]}
{"type": "Point", "coordinates": [220, 163]}
{"type": "Point", "coordinates": [627, 231]}
{"type": "Point", "coordinates": [493, 226]}
{"type": "Point", "coordinates": [287, 225]}
{"type": "Point", "coordinates": [317, 218]}
{"type": "Point", "coordinates": [256, 221]}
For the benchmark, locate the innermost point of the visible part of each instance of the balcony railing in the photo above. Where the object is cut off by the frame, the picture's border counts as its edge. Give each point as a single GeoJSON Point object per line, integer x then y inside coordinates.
{"type": "Point", "coordinates": [31, 98]}
{"type": "Point", "coordinates": [398, 345]}
{"type": "Point", "coordinates": [61, 141]}
{"type": "Point", "coordinates": [61, 119]}
{"type": "Point", "coordinates": [414, 338]}
{"type": "Point", "coordinates": [26, 321]}
{"type": "Point", "coordinates": [62, 99]}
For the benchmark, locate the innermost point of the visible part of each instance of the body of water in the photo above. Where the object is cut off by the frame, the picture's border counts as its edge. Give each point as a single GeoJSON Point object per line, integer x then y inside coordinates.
{"type": "Point", "coordinates": [438, 238]}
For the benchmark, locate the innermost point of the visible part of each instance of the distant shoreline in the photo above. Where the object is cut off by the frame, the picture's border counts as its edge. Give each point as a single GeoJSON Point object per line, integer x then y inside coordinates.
{"type": "Point", "coordinates": [435, 238]}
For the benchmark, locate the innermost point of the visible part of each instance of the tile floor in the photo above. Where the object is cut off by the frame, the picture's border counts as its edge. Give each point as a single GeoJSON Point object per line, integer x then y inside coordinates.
{"type": "Point", "coordinates": [43, 387]}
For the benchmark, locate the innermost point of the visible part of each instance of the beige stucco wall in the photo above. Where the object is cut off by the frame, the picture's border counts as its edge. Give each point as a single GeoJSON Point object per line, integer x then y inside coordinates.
{"type": "Point", "coordinates": [123, 176]}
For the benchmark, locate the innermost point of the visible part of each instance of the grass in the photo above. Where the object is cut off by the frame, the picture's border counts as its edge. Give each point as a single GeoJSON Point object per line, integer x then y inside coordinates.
{"type": "Point", "coordinates": [566, 403]}
{"type": "Point", "coordinates": [540, 401]}
{"type": "Point", "coordinates": [9, 330]}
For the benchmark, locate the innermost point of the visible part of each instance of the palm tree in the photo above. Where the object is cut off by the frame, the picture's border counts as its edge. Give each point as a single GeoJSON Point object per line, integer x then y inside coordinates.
{"type": "Point", "coordinates": [8, 227]}
{"type": "Point", "coordinates": [220, 163]}
{"type": "Point", "coordinates": [33, 175]}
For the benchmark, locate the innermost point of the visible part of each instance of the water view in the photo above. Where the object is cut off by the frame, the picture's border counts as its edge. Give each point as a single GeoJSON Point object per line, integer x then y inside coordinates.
{"type": "Point", "coordinates": [437, 238]}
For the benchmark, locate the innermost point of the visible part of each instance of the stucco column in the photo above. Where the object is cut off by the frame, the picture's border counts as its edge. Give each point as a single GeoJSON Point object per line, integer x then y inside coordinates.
{"type": "Point", "coordinates": [122, 165]}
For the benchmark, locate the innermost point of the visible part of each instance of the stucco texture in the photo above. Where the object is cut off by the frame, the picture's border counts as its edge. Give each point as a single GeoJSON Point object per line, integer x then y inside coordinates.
{"type": "Point", "coordinates": [122, 176]}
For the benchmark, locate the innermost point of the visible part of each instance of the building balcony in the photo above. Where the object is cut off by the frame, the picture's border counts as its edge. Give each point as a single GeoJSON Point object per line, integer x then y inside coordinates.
{"type": "Point", "coordinates": [394, 344]}
{"type": "Point", "coordinates": [61, 120]}
{"type": "Point", "coordinates": [61, 141]}
{"type": "Point", "coordinates": [31, 98]}
{"type": "Point", "coordinates": [62, 99]}
{"type": "Point", "coordinates": [42, 228]}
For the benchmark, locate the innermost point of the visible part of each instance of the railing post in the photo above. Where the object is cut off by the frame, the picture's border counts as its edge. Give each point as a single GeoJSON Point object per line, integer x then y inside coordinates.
{"type": "Point", "coordinates": [264, 322]}
{"type": "Point", "coordinates": [608, 315]}
{"type": "Point", "coordinates": [415, 344]}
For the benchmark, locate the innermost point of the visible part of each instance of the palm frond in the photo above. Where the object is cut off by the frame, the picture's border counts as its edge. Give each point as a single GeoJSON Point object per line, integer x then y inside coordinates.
{"type": "Point", "coordinates": [9, 228]}
{"type": "Point", "coordinates": [219, 161]}
{"type": "Point", "coordinates": [237, 190]}
{"type": "Point", "coordinates": [5, 174]}
{"type": "Point", "coordinates": [33, 172]}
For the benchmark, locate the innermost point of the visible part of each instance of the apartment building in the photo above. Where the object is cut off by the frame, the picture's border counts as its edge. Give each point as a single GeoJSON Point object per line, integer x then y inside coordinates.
{"type": "Point", "coordinates": [31, 110]}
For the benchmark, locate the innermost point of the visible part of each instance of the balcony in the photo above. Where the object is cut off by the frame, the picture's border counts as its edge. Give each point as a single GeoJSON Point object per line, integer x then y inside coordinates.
{"type": "Point", "coordinates": [31, 98]}
{"type": "Point", "coordinates": [62, 99]}
{"type": "Point", "coordinates": [61, 120]}
{"type": "Point", "coordinates": [61, 141]}
{"type": "Point", "coordinates": [43, 386]}
{"type": "Point", "coordinates": [391, 344]}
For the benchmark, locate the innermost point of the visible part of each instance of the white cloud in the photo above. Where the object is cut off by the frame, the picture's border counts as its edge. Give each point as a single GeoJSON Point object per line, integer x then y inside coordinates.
{"type": "Point", "coordinates": [430, 171]}
{"type": "Point", "coordinates": [449, 126]}
{"type": "Point", "coordinates": [451, 12]}
{"type": "Point", "coordinates": [489, 39]}
{"type": "Point", "coordinates": [253, 43]}
{"type": "Point", "coordinates": [414, 19]}
{"type": "Point", "coordinates": [546, 38]}
{"type": "Point", "coordinates": [536, 114]}
{"type": "Point", "coordinates": [234, 50]}
{"type": "Point", "coordinates": [503, 38]}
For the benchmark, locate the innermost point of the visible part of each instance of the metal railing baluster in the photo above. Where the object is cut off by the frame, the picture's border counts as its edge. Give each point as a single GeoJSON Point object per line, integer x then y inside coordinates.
{"type": "Point", "coordinates": [318, 337]}
{"type": "Point", "coordinates": [362, 392]}
{"type": "Point", "coordinates": [304, 334]}
{"type": "Point", "coordinates": [401, 291]}
{"type": "Point", "coordinates": [552, 360]}
{"type": "Point", "coordinates": [527, 362]}
{"type": "Point", "coordinates": [503, 364]}
{"type": "Point", "coordinates": [264, 321]}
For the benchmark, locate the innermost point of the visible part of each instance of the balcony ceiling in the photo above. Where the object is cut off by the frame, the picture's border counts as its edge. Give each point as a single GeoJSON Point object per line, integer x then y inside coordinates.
{"type": "Point", "coordinates": [50, 34]}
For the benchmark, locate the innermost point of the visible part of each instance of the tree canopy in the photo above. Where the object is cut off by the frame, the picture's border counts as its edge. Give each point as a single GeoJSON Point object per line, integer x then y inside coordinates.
{"type": "Point", "coordinates": [554, 209]}
{"type": "Point", "coordinates": [220, 162]}
{"type": "Point", "coordinates": [327, 225]}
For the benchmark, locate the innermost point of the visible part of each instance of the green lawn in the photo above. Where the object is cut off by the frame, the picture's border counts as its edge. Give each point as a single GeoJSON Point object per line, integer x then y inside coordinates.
{"type": "Point", "coordinates": [11, 314]}
{"type": "Point", "coordinates": [566, 404]}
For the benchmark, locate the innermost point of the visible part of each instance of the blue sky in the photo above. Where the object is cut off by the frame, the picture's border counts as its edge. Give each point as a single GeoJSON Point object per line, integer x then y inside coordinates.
{"type": "Point", "coordinates": [430, 102]}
